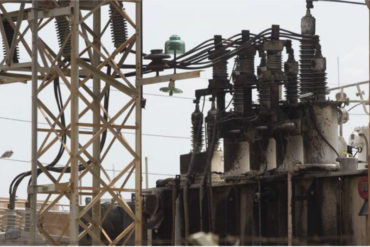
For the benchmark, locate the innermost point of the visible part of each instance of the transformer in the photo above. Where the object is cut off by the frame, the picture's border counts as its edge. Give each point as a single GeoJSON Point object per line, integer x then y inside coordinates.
{"type": "Point", "coordinates": [283, 166]}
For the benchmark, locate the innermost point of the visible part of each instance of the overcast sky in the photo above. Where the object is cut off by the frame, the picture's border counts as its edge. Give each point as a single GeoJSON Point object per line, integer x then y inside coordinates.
{"type": "Point", "coordinates": [343, 30]}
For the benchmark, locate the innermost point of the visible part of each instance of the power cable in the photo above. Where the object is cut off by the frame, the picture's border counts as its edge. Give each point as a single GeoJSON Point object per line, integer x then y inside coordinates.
{"type": "Point", "coordinates": [315, 125]}
{"type": "Point", "coordinates": [341, 1]}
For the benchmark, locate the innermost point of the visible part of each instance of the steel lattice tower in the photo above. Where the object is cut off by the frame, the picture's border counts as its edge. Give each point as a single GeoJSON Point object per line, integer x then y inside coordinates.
{"type": "Point", "coordinates": [88, 71]}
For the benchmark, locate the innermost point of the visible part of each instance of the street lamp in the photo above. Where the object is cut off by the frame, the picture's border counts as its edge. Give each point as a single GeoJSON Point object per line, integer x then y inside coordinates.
{"type": "Point", "coordinates": [173, 46]}
{"type": "Point", "coordinates": [6, 154]}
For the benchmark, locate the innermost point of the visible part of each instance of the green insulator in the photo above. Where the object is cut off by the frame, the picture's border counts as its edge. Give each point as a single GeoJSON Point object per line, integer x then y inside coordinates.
{"type": "Point", "coordinates": [175, 44]}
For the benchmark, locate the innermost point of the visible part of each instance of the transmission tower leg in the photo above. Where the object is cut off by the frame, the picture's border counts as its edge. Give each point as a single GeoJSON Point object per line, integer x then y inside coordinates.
{"type": "Point", "coordinates": [96, 210]}
{"type": "Point", "coordinates": [33, 233]}
{"type": "Point", "coordinates": [138, 162]}
{"type": "Point", "coordinates": [74, 181]}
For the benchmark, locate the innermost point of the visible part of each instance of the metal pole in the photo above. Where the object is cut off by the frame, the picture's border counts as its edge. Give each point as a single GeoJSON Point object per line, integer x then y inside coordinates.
{"type": "Point", "coordinates": [138, 132]}
{"type": "Point", "coordinates": [338, 68]}
{"type": "Point", "coordinates": [96, 209]}
{"type": "Point", "coordinates": [146, 173]}
{"type": "Point", "coordinates": [149, 231]}
{"type": "Point", "coordinates": [74, 210]}
{"type": "Point", "coordinates": [175, 57]}
{"type": "Point", "coordinates": [34, 123]}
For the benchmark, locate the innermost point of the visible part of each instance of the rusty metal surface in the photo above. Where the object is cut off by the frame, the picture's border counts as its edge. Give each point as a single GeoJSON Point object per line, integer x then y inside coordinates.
{"type": "Point", "coordinates": [325, 212]}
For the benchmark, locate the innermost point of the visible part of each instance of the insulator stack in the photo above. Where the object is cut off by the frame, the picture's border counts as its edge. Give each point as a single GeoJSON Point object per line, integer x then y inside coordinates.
{"type": "Point", "coordinates": [9, 33]}
{"type": "Point", "coordinates": [291, 71]}
{"type": "Point", "coordinates": [312, 80]}
{"type": "Point", "coordinates": [11, 217]}
{"type": "Point", "coordinates": [319, 74]}
{"type": "Point", "coordinates": [271, 86]}
{"type": "Point", "coordinates": [211, 125]}
{"type": "Point", "coordinates": [264, 89]}
{"type": "Point", "coordinates": [242, 98]}
{"type": "Point", "coordinates": [220, 70]}
{"type": "Point", "coordinates": [220, 80]}
{"type": "Point", "coordinates": [238, 97]}
{"type": "Point", "coordinates": [273, 78]}
{"type": "Point", "coordinates": [308, 28]}
{"type": "Point", "coordinates": [118, 26]}
{"type": "Point", "coordinates": [265, 94]}
{"type": "Point", "coordinates": [220, 66]}
{"type": "Point", "coordinates": [197, 130]}
{"type": "Point", "coordinates": [247, 61]}
{"type": "Point", "coordinates": [27, 219]}
{"type": "Point", "coordinates": [274, 61]}
{"type": "Point", "coordinates": [244, 78]}
{"type": "Point", "coordinates": [63, 29]}
{"type": "Point", "coordinates": [274, 49]}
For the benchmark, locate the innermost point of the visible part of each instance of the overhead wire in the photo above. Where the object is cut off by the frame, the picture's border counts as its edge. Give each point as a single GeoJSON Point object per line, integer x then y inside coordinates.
{"type": "Point", "coordinates": [86, 128]}
{"type": "Point", "coordinates": [341, 1]}
{"type": "Point", "coordinates": [28, 162]}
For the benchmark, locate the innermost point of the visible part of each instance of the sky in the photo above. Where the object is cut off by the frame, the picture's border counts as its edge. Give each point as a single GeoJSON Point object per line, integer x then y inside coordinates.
{"type": "Point", "coordinates": [344, 33]}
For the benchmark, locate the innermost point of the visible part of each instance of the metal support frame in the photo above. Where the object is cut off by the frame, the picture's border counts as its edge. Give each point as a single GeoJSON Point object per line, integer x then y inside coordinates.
{"type": "Point", "coordinates": [360, 94]}
{"type": "Point", "coordinates": [82, 108]}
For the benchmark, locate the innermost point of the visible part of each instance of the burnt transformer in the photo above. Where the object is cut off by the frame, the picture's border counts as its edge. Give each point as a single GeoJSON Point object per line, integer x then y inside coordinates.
{"type": "Point", "coordinates": [268, 168]}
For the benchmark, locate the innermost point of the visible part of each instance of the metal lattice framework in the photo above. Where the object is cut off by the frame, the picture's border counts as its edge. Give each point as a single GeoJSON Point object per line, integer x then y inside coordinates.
{"type": "Point", "coordinates": [81, 122]}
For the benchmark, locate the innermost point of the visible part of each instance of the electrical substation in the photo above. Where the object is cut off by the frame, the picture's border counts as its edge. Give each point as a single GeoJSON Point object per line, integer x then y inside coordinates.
{"type": "Point", "coordinates": [268, 165]}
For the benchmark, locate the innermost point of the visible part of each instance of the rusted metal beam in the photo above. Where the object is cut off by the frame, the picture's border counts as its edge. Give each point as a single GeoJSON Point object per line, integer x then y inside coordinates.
{"type": "Point", "coordinates": [108, 79]}
{"type": "Point", "coordinates": [348, 85]}
{"type": "Point", "coordinates": [167, 78]}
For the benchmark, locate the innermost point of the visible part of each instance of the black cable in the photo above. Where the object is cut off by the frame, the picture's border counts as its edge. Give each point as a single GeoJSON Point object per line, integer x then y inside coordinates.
{"type": "Point", "coordinates": [204, 53]}
{"type": "Point", "coordinates": [203, 185]}
{"type": "Point", "coordinates": [106, 107]}
{"type": "Point", "coordinates": [340, 1]}
{"type": "Point", "coordinates": [196, 48]}
{"type": "Point", "coordinates": [58, 96]}
{"type": "Point", "coordinates": [209, 46]}
{"type": "Point", "coordinates": [187, 184]}
{"type": "Point", "coordinates": [353, 107]}
{"type": "Point", "coordinates": [15, 183]}
{"type": "Point", "coordinates": [229, 54]}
